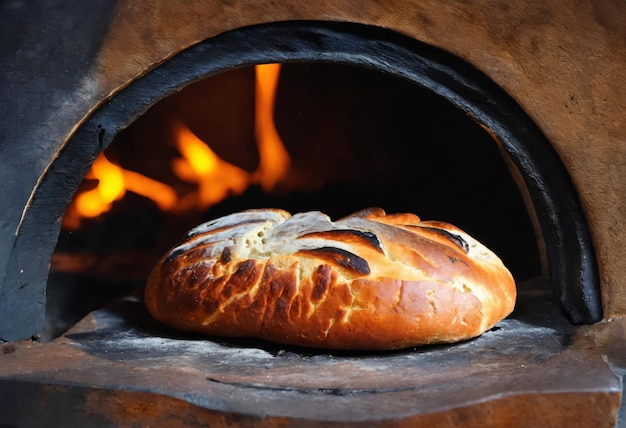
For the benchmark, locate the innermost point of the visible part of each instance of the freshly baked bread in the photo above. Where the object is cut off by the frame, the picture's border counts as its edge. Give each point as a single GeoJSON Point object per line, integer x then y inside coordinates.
{"type": "Point", "coordinates": [369, 281]}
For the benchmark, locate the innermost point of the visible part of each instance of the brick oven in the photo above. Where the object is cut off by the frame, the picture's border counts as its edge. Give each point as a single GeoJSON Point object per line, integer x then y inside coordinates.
{"type": "Point", "coordinates": [502, 118]}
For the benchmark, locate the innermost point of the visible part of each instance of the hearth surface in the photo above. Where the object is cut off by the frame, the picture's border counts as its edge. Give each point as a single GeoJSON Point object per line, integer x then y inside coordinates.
{"type": "Point", "coordinates": [120, 367]}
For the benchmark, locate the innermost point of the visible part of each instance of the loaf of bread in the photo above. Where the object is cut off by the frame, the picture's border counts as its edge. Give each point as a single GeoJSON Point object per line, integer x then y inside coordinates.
{"type": "Point", "coordinates": [369, 281]}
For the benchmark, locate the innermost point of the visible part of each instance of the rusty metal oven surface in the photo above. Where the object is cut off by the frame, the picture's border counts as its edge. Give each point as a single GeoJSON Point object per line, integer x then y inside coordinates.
{"type": "Point", "coordinates": [118, 364]}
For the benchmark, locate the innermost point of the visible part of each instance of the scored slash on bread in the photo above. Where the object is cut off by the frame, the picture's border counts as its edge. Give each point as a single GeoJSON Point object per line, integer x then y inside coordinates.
{"type": "Point", "coordinates": [368, 281]}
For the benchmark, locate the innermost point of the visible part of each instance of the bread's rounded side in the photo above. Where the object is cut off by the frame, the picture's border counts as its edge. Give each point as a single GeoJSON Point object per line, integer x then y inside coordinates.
{"type": "Point", "coordinates": [387, 282]}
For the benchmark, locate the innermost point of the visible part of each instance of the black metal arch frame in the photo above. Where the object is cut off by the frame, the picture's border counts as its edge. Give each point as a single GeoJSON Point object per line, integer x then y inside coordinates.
{"type": "Point", "coordinates": [571, 257]}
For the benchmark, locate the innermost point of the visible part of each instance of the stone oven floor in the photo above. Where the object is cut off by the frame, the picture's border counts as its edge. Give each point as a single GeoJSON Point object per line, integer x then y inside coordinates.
{"type": "Point", "coordinates": [119, 367]}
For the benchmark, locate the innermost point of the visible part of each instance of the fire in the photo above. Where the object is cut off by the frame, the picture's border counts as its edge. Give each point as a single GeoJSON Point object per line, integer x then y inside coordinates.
{"type": "Point", "coordinates": [113, 182]}
{"type": "Point", "coordinates": [215, 178]}
{"type": "Point", "coordinates": [110, 188]}
{"type": "Point", "coordinates": [274, 160]}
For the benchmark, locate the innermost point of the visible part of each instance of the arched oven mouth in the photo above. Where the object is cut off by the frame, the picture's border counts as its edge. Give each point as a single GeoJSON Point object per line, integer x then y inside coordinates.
{"type": "Point", "coordinates": [552, 199]}
{"type": "Point", "coordinates": [126, 338]}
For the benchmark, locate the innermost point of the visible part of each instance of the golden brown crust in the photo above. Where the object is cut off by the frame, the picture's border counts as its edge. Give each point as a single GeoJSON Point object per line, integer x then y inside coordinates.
{"type": "Point", "coordinates": [369, 281]}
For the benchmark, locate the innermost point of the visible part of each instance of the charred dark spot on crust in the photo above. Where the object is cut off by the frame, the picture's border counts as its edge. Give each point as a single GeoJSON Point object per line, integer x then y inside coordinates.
{"type": "Point", "coordinates": [279, 292]}
{"type": "Point", "coordinates": [246, 265]}
{"type": "Point", "coordinates": [226, 255]}
{"type": "Point", "coordinates": [210, 306]}
{"type": "Point", "coordinates": [174, 254]}
{"type": "Point", "coordinates": [321, 280]}
{"type": "Point", "coordinates": [355, 264]}
{"type": "Point", "coordinates": [456, 239]}
{"type": "Point", "coordinates": [348, 235]}
{"type": "Point", "coordinates": [246, 273]}
{"type": "Point", "coordinates": [454, 260]}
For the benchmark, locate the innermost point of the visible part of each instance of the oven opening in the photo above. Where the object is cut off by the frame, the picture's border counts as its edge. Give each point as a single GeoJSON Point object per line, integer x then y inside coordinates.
{"type": "Point", "coordinates": [362, 117]}
{"type": "Point", "coordinates": [297, 136]}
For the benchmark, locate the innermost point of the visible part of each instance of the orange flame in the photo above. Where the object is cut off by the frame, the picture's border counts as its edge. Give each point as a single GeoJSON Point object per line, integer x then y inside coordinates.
{"type": "Point", "coordinates": [113, 182]}
{"type": "Point", "coordinates": [216, 179]}
{"type": "Point", "coordinates": [274, 160]}
{"type": "Point", "coordinates": [109, 189]}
